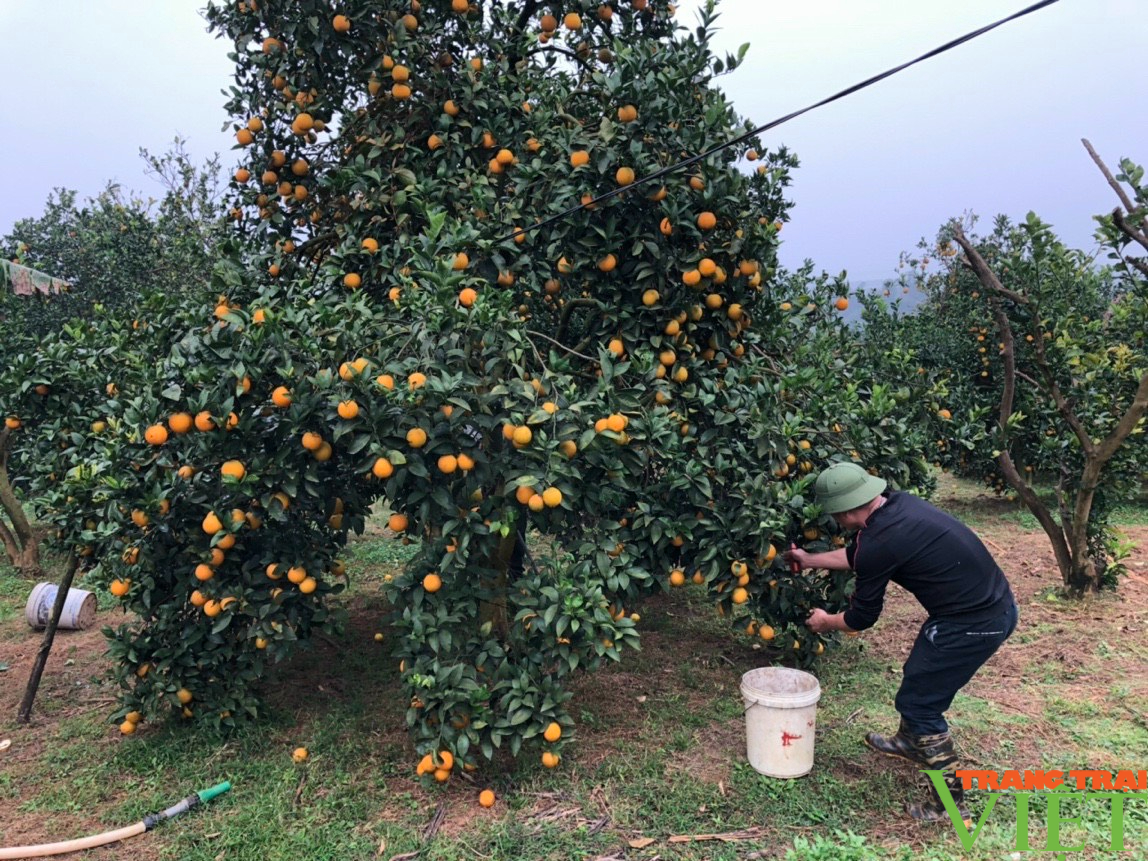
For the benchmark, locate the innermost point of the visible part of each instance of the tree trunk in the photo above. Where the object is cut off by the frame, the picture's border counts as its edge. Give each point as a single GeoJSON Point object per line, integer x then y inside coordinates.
{"type": "Point", "coordinates": [25, 713]}
{"type": "Point", "coordinates": [21, 542]}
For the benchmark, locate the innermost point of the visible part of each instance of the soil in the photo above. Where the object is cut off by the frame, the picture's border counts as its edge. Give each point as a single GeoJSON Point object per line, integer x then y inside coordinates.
{"type": "Point", "coordinates": [1051, 630]}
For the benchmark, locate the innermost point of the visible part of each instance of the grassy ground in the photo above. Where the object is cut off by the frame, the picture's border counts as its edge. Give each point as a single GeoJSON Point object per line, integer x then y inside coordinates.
{"type": "Point", "coordinates": [659, 754]}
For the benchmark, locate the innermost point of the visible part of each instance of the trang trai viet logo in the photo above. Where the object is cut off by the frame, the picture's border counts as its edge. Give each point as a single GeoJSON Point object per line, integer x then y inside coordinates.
{"type": "Point", "coordinates": [1078, 787]}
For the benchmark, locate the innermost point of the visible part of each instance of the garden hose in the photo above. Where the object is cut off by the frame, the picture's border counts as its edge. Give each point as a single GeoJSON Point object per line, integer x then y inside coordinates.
{"type": "Point", "coordinates": [147, 824]}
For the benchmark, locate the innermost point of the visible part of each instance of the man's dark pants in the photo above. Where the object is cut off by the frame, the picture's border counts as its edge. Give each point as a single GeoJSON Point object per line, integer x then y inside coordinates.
{"type": "Point", "coordinates": [946, 655]}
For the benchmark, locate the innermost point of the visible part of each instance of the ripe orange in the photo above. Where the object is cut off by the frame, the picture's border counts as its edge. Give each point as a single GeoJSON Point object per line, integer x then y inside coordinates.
{"type": "Point", "coordinates": [299, 755]}
{"type": "Point", "coordinates": [616, 347]}
{"type": "Point", "coordinates": [312, 441]}
{"type": "Point", "coordinates": [382, 468]}
{"type": "Point", "coordinates": [467, 297]}
{"type": "Point", "coordinates": [447, 464]}
{"type": "Point", "coordinates": [486, 798]}
{"type": "Point", "coordinates": [432, 582]}
{"type": "Point", "coordinates": [608, 263]}
{"type": "Point", "coordinates": [739, 595]}
{"type": "Point", "coordinates": [624, 176]}
{"type": "Point", "coordinates": [650, 297]}
{"type": "Point", "coordinates": [522, 436]}
{"type": "Point", "coordinates": [211, 523]}
{"type": "Point", "coordinates": [666, 227]}
{"type": "Point", "coordinates": [550, 759]}
{"type": "Point", "coordinates": [281, 396]}
{"type": "Point", "coordinates": [460, 262]}
{"type": "Point", "coordinates": [677, 577]}
{"type": "Point", "coordinates": [204, 421]}
{"type": "Point", "coordinates": [765, 632]}
{"type": "Point", "coordinates": [552, 497]}
{"type": "Point", "coordinates": [707, 221]}
{"type": "Point", "coordinates": [573, 21]}
{"type": "Point", "coordinates": [184, 696]}
{"type": "Point", "coordinates": [180, 422]}
{"type": "Point", "coordinates": [119, 588]}
{"type": "Point", "coordinates": [156, 434]}
{"type": "Point", "coordinates": [460, 6]}
{"type": "Point", "coordinates": [450, 108]}
{"type": "Point", "coordinates": [416, 437]}
{"type": "Point", "coordinates": [398, 522]}
{"type": "Point", "coordinates": [233, 469]}
{"type": "Point", "coordinates": [579, 158]}
{"type": "Point", "coordinates": [348, 410]}
{"type": "Point", "coordinates": [627, 113]}
{"type": "Point", "coordinates": [841, 304]}
{"type": "Point", "coordinates": [553, 732]}
{"type": "Point", "coordinates": [352, 280]}
{"type": "Point", "coordinates": [204, 572]}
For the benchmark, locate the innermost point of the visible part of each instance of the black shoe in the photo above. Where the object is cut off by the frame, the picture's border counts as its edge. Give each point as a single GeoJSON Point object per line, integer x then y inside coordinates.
{"type": "Point", "coordinates": [933, 810]}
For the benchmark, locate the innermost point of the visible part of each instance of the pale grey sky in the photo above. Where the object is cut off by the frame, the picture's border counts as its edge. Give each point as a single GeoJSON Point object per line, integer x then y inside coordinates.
{"type": "Point", "coordinates": [993, 126]}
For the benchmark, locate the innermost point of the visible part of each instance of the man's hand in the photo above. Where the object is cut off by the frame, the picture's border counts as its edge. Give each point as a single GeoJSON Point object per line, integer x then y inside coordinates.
{"type": "Point", "coordinates": [797, 555]}
{"type": "Point", "coordinates": [820, 622]}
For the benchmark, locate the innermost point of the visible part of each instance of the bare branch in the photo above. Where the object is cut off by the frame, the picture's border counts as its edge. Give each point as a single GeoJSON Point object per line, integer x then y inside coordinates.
{"type": "Point", "coordinates": [1117, 187]}
{"type": "Point", "coordinates": [981, 269]}
{"type": "Point", "coordinates": [560, 345]}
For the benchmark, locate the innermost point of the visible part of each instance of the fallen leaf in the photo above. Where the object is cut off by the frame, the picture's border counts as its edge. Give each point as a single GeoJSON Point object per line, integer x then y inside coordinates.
{"type": "Point", "coordinates": [641, 842]}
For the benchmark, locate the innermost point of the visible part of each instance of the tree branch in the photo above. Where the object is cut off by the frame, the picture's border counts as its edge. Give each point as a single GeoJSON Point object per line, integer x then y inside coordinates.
{"type": "Point", "coordinates": [560, 345]}
{"type": "Point", "coordinates": [1117, 187]}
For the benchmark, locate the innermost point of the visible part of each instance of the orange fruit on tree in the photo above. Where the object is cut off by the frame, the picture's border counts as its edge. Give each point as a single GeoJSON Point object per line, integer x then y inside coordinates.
{"type": "Point", "coordinates": [465, 462]}
{"type": "Point", "coordinates": [204, 572]}
{"type": "Point", "coordinates": [550, 759]}
{"type": "Point", "coordinates": [739, 595]}
{"type": "Point", "coordinates": [535, 502]}
{"type": "Point", "coordinates": [460, 262]}
{"type": "Point", "coordinates": [447, 464]}
{"type": "Point", "coordinates": [467, 297]}
{"type": "Point", "coordinates": [180, 422]}
{"type": "Point", "coordinates": [841, 304]}
{"type": "Point", "coordinates": [677, 577]}
{"type": "Point", "coordinates": [296, 574]}
{"type": "Point", "coordinates": [459, 6]}
{"type": "Point", "coordinates": [211, 523]}
{"type": "Point", "coordinates": [352, 280]}
{"type": "Point", "coordinates": [382, 468]}
{"type": "Point", "coordinates": [281, 396]}
{"type": "Point", "coordinates": [666, 227]}
{"type": "Point", "coordinates": [765, 632]}
{"type": "Point", "coordinates": [522, 436]}
{"type": "Point", "coordinates": [341, 23]}
{"type": "Point", "coordinates": [324, 452]}
{"type": "Point", "coordinates": [552, 497]}
{"type": "Point", "coordinates": [692, 278]}
{"type": "Point", "coordinates": [627, 113]}
{"type": "Point", "coordinates": [119, 588]}
{"type": "Point", "coordinates": [233, 469]}
{"type": "Point", "coordinates": [616, 347]}
{"type": "Point", "coordinates": [312, 441]}
{"type": "Point", "coordinates": [308, 585]}
{"type": "Point", "coordinates": [707, 221]}
{"type": "Point", "coordinates": [184, 696]}
{"type": "Point", "coordinates": [432, 582]}
{"type": "Point", "coordinates": [573, 21]}
{"type": "Point", "coordinates": [624, 176]}
{"type": "Point", "coordinates": [348, 410]}
{"type": "Point", "coordinates": [416, 437]}
{"type": "Point", "coordinates": [398, 522]}
{"type": "Point", "coordinates": [450, 108]}
{"type": "Point", "coordinates": [204, 421]}
{"type": "Point", "coordinates": [156, 435]}
{"type": "Point", "coordinates": [553, 732]}
{"type": "Point", "coordinates": [524, 493]}
{"type": "Point", "coordinates": [650, 297]}
{"type": "Point", "coordinates": [578, 158]}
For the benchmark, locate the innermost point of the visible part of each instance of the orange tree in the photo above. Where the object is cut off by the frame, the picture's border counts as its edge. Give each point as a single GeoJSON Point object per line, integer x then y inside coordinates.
{"type": "Point", "coordinates": [633, 377]}
{"type": "Point", "coordinates": [1040, 352]}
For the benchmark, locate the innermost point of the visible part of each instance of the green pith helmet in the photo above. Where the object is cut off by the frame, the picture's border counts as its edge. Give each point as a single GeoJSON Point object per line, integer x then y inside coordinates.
{"type": "Point", "coordinates": [845, 486]}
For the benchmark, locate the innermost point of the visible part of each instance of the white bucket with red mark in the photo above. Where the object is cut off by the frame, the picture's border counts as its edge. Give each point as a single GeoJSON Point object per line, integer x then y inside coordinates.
{"type": "Point", "coordinates": [780, 720]}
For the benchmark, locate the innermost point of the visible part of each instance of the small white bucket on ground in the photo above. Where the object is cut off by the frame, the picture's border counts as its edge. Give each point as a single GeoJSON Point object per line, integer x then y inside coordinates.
{"type": "Point", "coordinates": [79, 607]}
{"type": "Point", "coordinates": [780, 720]}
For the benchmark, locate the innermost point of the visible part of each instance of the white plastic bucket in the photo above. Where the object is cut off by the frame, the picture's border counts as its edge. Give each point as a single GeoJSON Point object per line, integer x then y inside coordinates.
{"type": "Point", "coordinates": [780, 720]}
{"type": "Point", "coordinates": [79, 607]}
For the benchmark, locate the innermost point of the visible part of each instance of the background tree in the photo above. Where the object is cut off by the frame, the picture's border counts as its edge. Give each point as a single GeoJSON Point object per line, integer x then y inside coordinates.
{"type": "Point", "coordinates": [1042, 353]}
{"type": "Point", "coordinates": [119, 245]}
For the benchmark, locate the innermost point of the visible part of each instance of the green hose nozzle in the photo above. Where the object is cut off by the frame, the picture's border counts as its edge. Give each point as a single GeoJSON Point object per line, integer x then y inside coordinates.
{"type": "Point", "coordinates": [205, 795]}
